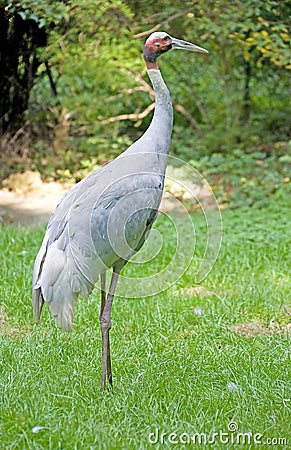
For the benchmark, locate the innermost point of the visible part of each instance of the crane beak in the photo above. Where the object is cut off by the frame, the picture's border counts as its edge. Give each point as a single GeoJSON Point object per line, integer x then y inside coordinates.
{"type": "Point", "coordinates": [178, 44]}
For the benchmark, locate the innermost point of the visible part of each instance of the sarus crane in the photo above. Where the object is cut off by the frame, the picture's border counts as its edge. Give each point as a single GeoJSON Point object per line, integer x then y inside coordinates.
{"type": "Point", "coordinates": [104, 219]}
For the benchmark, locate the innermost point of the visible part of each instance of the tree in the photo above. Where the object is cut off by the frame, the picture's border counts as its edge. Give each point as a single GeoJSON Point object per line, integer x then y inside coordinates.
{"type": "Point", "coordinates": [25, 26]}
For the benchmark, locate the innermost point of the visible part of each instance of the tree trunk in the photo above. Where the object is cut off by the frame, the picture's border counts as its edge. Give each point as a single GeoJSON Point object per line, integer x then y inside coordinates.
{"type": "Point", "coordinates": [246, 99]}
{"type": "Point", "coordinates": [19, 63]}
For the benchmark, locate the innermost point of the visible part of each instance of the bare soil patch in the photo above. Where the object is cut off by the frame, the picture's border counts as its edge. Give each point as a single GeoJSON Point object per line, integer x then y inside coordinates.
{"type": "Point", "coordinates": [253, 329]}
{"type": "Point", "coordinates": [26, 200]}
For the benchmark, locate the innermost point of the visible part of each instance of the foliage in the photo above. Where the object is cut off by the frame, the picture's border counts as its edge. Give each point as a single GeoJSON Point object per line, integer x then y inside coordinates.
{"type": "Point", "coordinates": [248, 179]}
{"type": "Point", "coordinates": [177, 364]}
{"type": "Point", "coordinates": [43, 13]}
{"type": "Point", "coordinates": [264, 32]}
{"type": "Point", "coordinates": [91, 71]}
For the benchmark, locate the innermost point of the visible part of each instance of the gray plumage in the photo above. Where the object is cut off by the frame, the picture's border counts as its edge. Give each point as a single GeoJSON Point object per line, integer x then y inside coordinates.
{"type": "Point", "coordinates": [104, 219]}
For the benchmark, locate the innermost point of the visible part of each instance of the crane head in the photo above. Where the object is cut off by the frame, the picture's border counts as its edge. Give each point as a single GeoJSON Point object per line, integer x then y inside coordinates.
{"type": "Point", "coordinates": [160, 42]}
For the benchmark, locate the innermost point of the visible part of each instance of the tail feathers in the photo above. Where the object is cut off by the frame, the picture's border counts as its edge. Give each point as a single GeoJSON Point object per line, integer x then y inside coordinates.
{"type": "Point", "coordinates": [37, 301]}
{"type": "Point", "coordinates": [63, 312]}
{"type": "Point", "coordinates": [59, 283]}
{"type": "Point", "coordinates": [61, 299]}
{"type": "Point", "coordinates": [64, 315]}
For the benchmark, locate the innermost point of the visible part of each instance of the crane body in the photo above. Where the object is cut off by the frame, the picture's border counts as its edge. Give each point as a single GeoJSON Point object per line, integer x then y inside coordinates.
{"type": "Point", "coordinates": [104, 219]}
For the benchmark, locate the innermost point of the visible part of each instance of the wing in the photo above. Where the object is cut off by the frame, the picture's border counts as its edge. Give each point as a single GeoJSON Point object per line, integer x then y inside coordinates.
{"type": "Point", "coordinates": [126, 217]}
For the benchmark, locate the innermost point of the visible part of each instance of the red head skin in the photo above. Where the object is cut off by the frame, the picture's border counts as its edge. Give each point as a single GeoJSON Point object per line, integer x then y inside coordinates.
{"type": "Point", "coordinates": [154, 48]}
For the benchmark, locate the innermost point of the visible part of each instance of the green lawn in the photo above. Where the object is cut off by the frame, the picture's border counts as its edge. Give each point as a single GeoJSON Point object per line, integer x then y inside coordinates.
{"type": "Point", "coordinates": [187, 361]}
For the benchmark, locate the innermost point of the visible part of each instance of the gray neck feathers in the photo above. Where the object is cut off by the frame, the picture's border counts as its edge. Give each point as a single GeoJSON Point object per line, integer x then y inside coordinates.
{"type": "Point", "coordinates": [164, 109]}
{"type": "Point", "coordinates": [156, 139]}
{"type": "Point", "coordinates": [160, 129]}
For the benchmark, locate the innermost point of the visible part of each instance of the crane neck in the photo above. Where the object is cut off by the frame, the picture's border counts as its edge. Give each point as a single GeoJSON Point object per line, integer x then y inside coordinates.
{"type": "Point", "coordinates": [154, 144]}
{"type": "Point", "coordinates": [162, 94]}
{"type": "Point", "coordinates": [162, 122]}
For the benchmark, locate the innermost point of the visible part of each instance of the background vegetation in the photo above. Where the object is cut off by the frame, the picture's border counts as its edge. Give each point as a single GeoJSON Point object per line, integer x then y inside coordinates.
{"type": "Point", "coordinates": [193, 359]}
{"type": "Point", "coordinates": [76, 93]}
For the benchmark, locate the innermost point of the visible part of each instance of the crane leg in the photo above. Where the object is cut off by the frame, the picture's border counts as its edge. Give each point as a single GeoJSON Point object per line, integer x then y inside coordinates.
{"type": "Point", "coordinates": [105, 323]}
{"type": "Point", "coordinates": [103, 292]}
{"type": "Point", "coordinates": [103, 301]}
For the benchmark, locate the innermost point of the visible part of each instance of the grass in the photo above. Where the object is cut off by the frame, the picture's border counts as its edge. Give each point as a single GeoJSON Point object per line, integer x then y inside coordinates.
{"type": "Point", "coordinates": [179, 363]}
